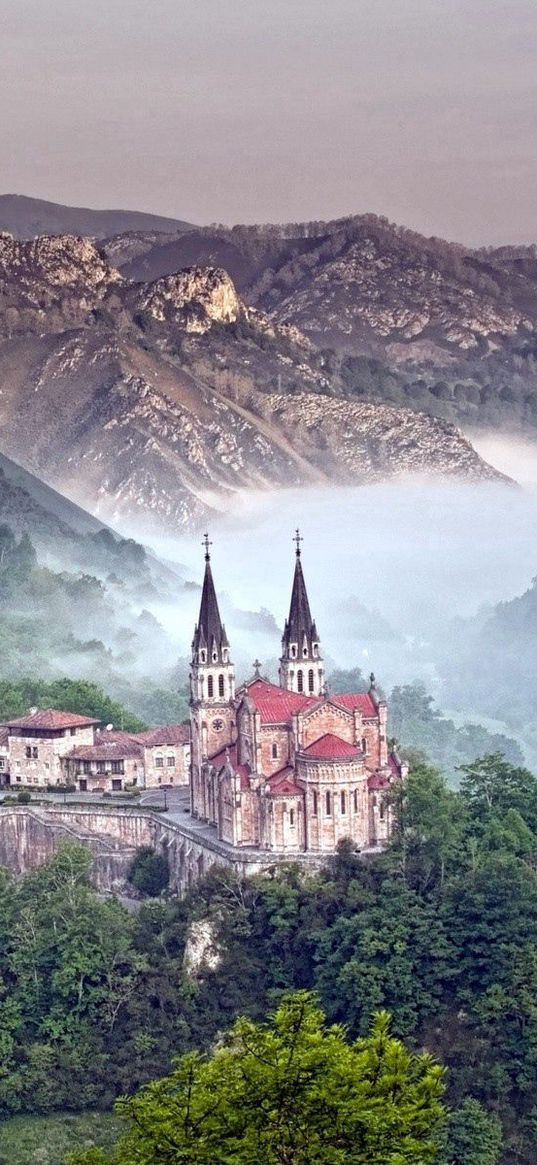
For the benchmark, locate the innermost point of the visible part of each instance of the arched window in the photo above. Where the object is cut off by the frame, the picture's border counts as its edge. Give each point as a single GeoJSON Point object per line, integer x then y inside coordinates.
{"type": "Point", "coordinates": [315, 802]}
{"type": "Point", "coordinates": [300, 680]}
{"type": "Point", "coordinates": [356, 800]}
{"type": "Point", "coordinates": [274, 751]}
{"type": "Point", "coordinates": [343, 802]}
{"type": "Point", "coordinates": [220, 685]}
{"type": "Point", "coordinates": [381, 810]}
{"type": "Point", "coordinates": [311, 680]}
{"type": "Point", "coordinates": [210, 687]}
{"type": "Point", "coordinates": [328, 804]}
{"type": "Point", "coordinates": [364, 743]}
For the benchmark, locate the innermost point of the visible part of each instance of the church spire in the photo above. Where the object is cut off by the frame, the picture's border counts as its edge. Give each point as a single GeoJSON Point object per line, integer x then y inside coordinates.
{"type": "Point", "coordinates": [301, 666]}
{"type": "Point", "coordinates": [210, 644]}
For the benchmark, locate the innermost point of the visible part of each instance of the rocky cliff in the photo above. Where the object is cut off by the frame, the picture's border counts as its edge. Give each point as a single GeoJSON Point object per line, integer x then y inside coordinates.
{"type": "Point", "coordinates": [158, 400]}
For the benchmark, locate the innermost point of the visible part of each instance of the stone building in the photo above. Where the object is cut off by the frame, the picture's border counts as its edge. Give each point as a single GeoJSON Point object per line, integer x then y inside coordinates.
{"type": "Point", "coordinates": [52, 747]}
{"type": "Point", "coordinates": [37, 744]}
{"type": "Point", "coordinates": [285, 767]}
{"type": "Point", "coordinates": [166, 755]}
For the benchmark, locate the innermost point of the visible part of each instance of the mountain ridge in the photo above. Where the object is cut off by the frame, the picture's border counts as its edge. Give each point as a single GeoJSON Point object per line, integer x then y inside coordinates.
{"type": "Point", "coordinates": [25, 217]}
{"type": "Point", "coordinates": [151, 399]}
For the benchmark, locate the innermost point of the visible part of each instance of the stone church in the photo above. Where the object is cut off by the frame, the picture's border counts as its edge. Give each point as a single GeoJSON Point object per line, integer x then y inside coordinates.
{"type": "Point", "coordinates": [285, 767]}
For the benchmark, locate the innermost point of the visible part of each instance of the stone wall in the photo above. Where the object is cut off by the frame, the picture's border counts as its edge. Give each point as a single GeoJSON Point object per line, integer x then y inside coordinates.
{"type": "Point", "coordinates": [30, 835]}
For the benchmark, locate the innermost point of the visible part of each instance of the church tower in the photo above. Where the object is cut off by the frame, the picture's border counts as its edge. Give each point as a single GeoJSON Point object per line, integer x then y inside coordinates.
{"type": "Point", "coordinates": [301, 664]}
{"type": "Point", "coordinates": [212, 681]}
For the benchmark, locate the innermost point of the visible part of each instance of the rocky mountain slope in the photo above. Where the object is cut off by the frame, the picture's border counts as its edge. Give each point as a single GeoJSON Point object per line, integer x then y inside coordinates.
{"type": "Point", "coordinates": [26, 218]}
{"type": "Point", "coordinates": [363, 285]}
{"type": "Point", "coordinates": [414, 321]}
{"type": "Point", "coordinates": [161, 398]}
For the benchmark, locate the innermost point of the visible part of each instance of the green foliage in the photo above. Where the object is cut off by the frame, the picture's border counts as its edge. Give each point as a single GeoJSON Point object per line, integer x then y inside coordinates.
{"type": "Point", "coordinates": [440, 930]}
{"type": "Point", "coordinates": [24, 797]}
{"type": "Point", "coordinates": [34, 1140]}
{"type": "Point", "coordinates": [422, 730]}
{"type": "Point", "coordinates": [80, 696]}
{"type": "Point", "coordinates": [473, 1136]}
{"type": "Point", "coordinates": [292, 1091]}
{"type": "Point", "coordinates": [149, 872]}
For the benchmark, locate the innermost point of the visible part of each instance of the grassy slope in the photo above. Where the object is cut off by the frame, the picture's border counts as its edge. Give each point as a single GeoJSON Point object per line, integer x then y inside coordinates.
{"type": "Point", "coordinates": [35, 1140]}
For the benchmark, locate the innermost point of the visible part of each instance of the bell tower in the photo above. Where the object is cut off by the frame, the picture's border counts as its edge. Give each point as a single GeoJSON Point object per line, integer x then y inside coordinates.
{"type": "Point", "coordinates": [212, 685]}
{"type": "Point", "coordinates": [301, 663]}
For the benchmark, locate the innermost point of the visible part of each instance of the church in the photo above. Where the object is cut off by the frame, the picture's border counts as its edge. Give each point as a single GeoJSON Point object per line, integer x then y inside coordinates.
{"type": "Point", "coordinates": [287, 767]}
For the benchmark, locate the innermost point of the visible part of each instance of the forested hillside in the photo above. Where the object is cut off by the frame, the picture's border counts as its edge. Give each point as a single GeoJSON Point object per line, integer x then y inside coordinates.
{"type": "Point", "coordinates": [441, 931]}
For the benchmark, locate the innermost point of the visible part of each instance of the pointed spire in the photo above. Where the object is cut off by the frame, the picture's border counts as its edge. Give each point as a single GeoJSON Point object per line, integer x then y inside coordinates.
{"type": "Point", "coordinates": [299, 628]}
{"type": "Point", "coordinates": [210, 633]}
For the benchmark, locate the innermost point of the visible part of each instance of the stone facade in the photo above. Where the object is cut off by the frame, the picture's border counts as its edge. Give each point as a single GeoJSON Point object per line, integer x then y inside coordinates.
{"type": "Point", "coordinates": [286, 768]}
{"type": "Point", "coordinates": [166, 756]}
{"type": "Point", "coordinates": [51, 747]}
{"type": "Point", "coordinates": [39, 742]}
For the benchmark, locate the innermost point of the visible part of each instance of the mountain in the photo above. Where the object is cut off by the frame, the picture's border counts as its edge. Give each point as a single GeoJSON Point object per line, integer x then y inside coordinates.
{"type": "Point", "coordinates": [412, 321]}
{"type": "Point", "coordinates": [158, 399]}
{"type": "Point", "coordinates": [26, 218]}
{"type": "Point", "coordinates": [365, 286]}
{"type": "Point", "coordinates": [490, 664]}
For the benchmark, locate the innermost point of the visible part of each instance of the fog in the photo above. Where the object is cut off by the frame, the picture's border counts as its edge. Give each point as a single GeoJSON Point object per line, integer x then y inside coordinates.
{"type": "Point", "coordinates": [388, 568]}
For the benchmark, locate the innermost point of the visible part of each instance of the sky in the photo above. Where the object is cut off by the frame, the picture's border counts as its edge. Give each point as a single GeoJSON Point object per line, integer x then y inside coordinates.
{"type": "Point", "coordinates": [282, 110]}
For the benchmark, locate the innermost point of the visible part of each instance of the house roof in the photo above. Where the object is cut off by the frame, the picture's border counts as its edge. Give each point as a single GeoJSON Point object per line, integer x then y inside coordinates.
{"type": "Point", "coordinates": [4, 736]}
{"type": "Point", "coordinates": [283, 784]}
{"type": "Point", "coordinates": [378, 781]}
{"type": "Point", "coordinates": [52, 719]}
{"type": "Point", "coordinates": [331, 747]}
{"type": "Point", "coordinates": [220, 759]}
{"type": "Point", "coordinates": [106, 750]}
{"type": "Point", "coordinates": [361, 700]}
{"type": "Point", "coordinates": [277, 705]}
{"type": "Point", "coordinates": [165, 734]}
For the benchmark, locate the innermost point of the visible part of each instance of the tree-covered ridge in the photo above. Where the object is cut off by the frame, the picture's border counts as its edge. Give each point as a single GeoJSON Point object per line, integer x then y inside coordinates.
{"type": "Point", "coordinates": [77, 623]}
{"type": "Point", "coordinates": [440, 931]}
{"type": "Point", "coordinates": [421, 732]}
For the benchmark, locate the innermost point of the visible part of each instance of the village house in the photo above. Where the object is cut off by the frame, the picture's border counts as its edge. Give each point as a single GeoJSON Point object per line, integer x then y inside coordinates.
{"type": "Point", "coordinates": [49, 748]}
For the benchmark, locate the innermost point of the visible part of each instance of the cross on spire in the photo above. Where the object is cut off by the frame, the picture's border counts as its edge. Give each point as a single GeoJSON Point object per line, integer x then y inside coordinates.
{"type": "Point", "coordinates": [206, 543]}
{"type": "Point", "coordinates": [298, 539]}
{"type": "Point", "coordinates": [257, 668]}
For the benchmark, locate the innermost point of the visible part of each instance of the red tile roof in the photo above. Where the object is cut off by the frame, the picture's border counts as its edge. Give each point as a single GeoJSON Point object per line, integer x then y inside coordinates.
{"type": "Point", "coordinates": [333, 748]}
{"type": "Point", "coordinates": [282, 784]}
{"type": "Point", "coordinates": [219, 759]}
{"type": "Point", "coordinates": [52, 719]}
{"type": "Point", "coordinates": [166, 734]}
{"type": "Point", "coordinates": [361, 700]}
{"type": "Point", "coordinates": [378, 781]}
{"type": "Point", "coordinates": [106, 750]}
{"type": "Point", "coordinates": [277, 705]}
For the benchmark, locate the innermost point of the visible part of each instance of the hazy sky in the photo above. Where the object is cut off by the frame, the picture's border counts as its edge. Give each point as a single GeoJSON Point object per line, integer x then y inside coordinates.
{"type": "Point", "coordinates": [237, 110]}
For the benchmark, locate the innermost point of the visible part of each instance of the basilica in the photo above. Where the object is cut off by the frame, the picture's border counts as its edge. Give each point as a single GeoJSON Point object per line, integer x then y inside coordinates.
{"type": "Point", "coordinates": [287, 767]}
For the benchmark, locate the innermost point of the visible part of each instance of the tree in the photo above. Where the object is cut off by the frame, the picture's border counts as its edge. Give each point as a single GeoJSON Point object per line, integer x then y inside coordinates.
{"type": "Point", "coordinates": [291, 1092]}
{"type": "Point", "coordinates": [474, 1137]}
{"type": "Point", "coordinates": [149, 872]}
